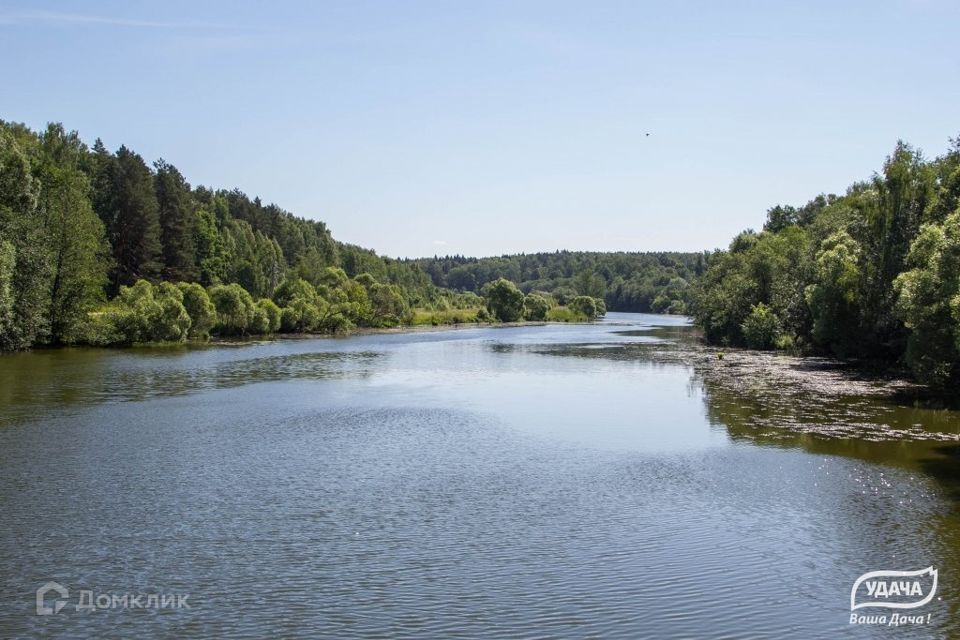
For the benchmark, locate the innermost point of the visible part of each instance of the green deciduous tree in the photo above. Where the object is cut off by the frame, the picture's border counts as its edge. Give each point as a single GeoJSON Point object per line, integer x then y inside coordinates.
{"type": "Point", "coordinates": [78, 251]}
{"type": "Point", "coordinates": [602, 307]}
{"type": "Point", "coordinates": [761, 328]}
{"type": "Point", "coordinates": [213, 256]}
{"type": "Point", "coordinates": [834, 296]}
{"type": "Point", "coordinates": [725, 296]}
{"type": "Point", "coordinates": [202, 312]}
{"type": "Point", "coordinates": [147, 313]}
{"type": "Point", "coordinates": [236, 310]}
{"type": "Point", "coordinates": [928, 298]}
{"type": "Point", "coordinates": [535, 307]}
{"type": "Point", "coordinates": [504, 300]}
{"type": "Point", "coordinates": [271, 312]}
{"type": "Point", "coordinates": [8, 261]}
{"type": "Point", "coordinates": [387, 305]}
{"type": "Point", "coordinates": [584, 306]}
{"type": "Point", "coordinates": [24, 313]}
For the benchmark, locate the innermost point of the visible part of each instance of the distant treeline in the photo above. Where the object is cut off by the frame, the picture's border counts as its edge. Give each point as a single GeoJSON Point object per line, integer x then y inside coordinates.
{"type": "Point", "coordinates": [652, 281]}
{"type": "Point", "coordinates": [871, 274]}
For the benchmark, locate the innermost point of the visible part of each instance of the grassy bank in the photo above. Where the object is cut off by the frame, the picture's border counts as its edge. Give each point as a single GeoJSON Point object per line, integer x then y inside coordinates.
{"type": "Point", "coordinates": [430, 317]}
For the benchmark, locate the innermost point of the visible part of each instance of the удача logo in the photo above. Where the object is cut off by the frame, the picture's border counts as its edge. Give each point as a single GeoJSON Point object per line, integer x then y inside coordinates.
{"type": "Point", "coordinates": [894, 589]}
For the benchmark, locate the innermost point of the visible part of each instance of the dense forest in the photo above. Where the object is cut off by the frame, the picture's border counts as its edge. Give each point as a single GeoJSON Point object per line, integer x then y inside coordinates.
{"type": "Point", "coordinates": [658, 282]}
{"type": "Point", "coordinates": [871, 274]}
{"type": "Point", "coordinates": [80, 227]}
{"type": "Point", "coordinates": [99, 247]}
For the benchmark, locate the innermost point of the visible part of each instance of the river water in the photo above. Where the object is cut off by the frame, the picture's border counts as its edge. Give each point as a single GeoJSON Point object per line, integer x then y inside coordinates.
{"type": "Point", "coordinates": [561, 481]}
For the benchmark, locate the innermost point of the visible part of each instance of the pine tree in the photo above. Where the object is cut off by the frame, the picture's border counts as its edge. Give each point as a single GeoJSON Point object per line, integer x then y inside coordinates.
{"type": "Point", "coordinates": [127, 205]}
{"type": "Point", "coordinates": [177, 224]}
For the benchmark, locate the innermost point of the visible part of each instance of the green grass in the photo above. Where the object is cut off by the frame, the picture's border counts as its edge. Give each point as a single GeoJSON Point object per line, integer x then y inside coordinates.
{"type": "Point", "coordinates": [428, 317]}
{"type": "Point", "coordinates": [564, 314]}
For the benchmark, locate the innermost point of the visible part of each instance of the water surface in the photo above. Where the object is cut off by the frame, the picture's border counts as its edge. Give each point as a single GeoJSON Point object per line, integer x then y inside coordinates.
{"type": "Point", "coordinates": [555, 481]}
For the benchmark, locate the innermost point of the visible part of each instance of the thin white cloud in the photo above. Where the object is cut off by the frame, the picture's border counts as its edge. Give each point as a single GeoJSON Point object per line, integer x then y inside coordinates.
{"type": "Point", "coordinates": [58, 18]}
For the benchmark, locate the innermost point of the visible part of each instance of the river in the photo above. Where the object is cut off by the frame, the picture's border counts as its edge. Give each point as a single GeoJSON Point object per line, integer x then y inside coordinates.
{"type": "Point", "coordinates": [586, 480]}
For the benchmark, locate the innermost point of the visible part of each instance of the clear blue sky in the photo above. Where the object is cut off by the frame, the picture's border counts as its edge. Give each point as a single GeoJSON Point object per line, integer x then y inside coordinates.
{"type": "Point", "coordinates": [484, 128]}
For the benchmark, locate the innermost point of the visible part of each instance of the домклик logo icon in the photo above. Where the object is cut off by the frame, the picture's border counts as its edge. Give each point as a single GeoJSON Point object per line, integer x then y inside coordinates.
{"type": "Point", "coordinates": [59, 603]}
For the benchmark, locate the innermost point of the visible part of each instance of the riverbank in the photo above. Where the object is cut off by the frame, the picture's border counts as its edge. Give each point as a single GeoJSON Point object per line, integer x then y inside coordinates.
{"type": "Point", "coordinates": [826, 397]}
{"type": "Point", "coordinates": [777, 396]}
{"type": "Point", "coordinates": [364, 331]}
{"type": "Point", "coordinates": [421, 320]}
